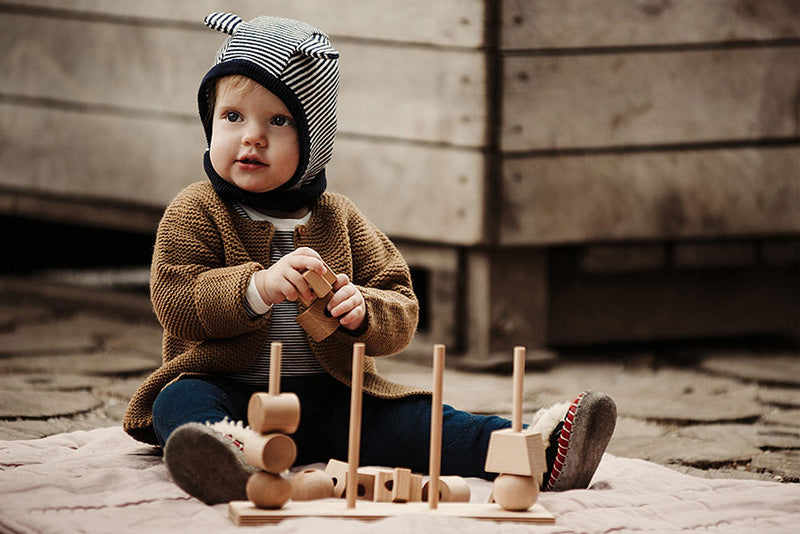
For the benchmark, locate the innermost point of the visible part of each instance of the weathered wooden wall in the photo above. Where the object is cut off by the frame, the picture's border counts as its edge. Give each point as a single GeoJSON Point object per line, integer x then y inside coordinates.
{"type": "Point", "coordinates": [112, 87]}
{"type": "Point", "coordinates": [533, 156]}
{"type": "Point", "coordinates": [652, 147]}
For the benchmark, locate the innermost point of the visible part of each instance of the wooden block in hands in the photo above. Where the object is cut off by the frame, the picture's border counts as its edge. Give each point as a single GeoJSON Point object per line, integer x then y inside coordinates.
{"type": "Point", "coordinates": [319, 285]}
{"type": "Point", "coordinates": [516, 453]}
{"type": "Point", "coordinates": [316, 321]}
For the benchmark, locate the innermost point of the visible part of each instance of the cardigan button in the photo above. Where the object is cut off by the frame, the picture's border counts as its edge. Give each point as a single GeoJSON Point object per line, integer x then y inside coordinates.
{"type": "Point", "coordinates": [302, 230]}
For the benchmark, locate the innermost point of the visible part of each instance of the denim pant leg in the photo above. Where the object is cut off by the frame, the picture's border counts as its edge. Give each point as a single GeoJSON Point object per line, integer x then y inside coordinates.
{"type": "Point", "coordinates": [198, 400]}
{"type": "Point", "coordinates": [396, 433]}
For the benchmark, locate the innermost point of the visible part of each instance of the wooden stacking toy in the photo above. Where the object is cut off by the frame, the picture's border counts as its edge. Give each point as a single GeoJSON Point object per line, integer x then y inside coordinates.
{"type": "Point", "coordinates": [517, 454]}
{"type": "Point", "coordinates": [315, 319]}
{"type": "Point", "coordinates": [268, 447]}
{"type": "Point", "coordinates": [397, 491]}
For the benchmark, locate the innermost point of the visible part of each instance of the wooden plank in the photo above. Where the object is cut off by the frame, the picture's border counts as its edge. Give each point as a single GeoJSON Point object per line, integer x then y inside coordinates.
{"type": "Point", "coordinates": [537, 24]}
{"type": "Point", "coordinates": [98, 156]}
{"type": "Point", "coordinates": [431, 194]}
{"type": "Point", "coordinates": [557, 102]}
{"type": "Point", "coordinates": [409, 191]}
{"type": "Point", "coordinates": [660, 195]}
{"type": "Point", "coordinates": [420, 94]}
{"type": "Point", "coordinates": [444, 22]}
{"type": "Point", "coordinates": [244, 513]}
{"type": "Point", "coordinates": [676, 304]}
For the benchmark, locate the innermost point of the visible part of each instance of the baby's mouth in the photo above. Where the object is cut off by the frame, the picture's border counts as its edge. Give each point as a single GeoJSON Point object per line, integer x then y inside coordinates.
{"type": "Point", "coordinates": [250, 161]}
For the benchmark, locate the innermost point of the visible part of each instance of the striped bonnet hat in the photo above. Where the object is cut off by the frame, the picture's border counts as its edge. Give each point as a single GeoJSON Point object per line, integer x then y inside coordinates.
{"type": "Point", "coordinates": [297, 63]}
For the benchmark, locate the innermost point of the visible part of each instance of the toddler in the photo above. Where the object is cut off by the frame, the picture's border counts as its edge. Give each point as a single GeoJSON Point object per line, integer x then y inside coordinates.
{"type": "Point", "coordinates": [226, 280]}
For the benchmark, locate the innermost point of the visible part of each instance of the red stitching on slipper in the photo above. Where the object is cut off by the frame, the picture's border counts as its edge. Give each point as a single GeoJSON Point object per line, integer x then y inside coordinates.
{"type": "Point", "coordinates": [563, 443]}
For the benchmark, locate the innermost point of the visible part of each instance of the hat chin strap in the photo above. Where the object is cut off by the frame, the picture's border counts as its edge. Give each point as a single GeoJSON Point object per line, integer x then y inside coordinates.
{"type": "Point", "coordinates": [288, 200]}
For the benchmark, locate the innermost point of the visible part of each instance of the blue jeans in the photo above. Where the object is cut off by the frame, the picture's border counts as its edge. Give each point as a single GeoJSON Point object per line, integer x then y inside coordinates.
{"type": "Point", "coordinates": [394, 432]}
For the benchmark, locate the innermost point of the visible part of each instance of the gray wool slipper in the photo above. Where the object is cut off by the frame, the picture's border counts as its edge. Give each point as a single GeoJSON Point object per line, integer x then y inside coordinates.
{"type": "Point", "coordinates": [580, 441]}
{"type": "Point", "coordinates": [205, 462]}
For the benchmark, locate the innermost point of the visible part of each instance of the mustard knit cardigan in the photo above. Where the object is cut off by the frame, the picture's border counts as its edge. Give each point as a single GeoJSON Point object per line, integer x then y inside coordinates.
{"type": "Point", "coordinates": [202, 262]}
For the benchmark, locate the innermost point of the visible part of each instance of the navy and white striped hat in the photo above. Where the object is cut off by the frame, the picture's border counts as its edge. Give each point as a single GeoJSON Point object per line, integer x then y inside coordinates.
{"type": "Point", "coordinates": [297, 63]}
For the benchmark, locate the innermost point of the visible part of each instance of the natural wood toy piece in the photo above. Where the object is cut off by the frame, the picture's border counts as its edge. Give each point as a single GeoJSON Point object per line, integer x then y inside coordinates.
{"type": "Point", "coordinates": [399, 485]}
{"type": "Point", "coordinates": [514, 450]}
{"type": "Point", "coordinates": [311, 484]}
{"type": "Point", "coordinates": [368, 482]}
{"type": "Point", "coordinates": [515, 492]}
{"type": "Point", "coordinates": [268, 490]}
{"type": "Point", "coordinates": [517, 453]}
{"type": "Point", "coordinates": [274, 411]}
{"type": "Point", "coordinates": [315, 319]}
{"type": "Point", "coordinates": [337, 470]}
{"type": "Point", "coordinates": [437, 406]}
{"type": "Point", "coordinates": [451, 489]}
{"type": "Point", "coordinates": [273, 453]}
{"type": "Point", "coordinates": [354, 436]}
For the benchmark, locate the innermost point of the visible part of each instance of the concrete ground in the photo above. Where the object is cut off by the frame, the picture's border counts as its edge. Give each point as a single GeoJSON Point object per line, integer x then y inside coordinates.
{"type": "Point", "coordinates": [71, 358]}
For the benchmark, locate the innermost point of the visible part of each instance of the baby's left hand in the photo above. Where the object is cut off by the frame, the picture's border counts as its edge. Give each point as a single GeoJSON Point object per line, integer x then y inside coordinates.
{"type": "Point", "coordinates": [347, 303]}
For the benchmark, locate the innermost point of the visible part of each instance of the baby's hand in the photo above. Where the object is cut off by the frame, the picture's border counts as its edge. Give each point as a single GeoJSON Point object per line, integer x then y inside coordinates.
{"type": "Point", "coordinates": [347, 303]}
{"type": "Point", "coordinates": [284, 281]}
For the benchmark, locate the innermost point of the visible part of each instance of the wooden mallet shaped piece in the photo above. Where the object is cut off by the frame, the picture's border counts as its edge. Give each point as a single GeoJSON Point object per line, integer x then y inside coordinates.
{"type": "Point", "coordinates": [274, 411]}
{"type": "Point", "coordinates": [271, 416]}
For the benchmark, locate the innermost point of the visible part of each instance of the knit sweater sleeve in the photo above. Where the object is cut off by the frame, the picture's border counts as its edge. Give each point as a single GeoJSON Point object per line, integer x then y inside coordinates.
{"type": "Point", "coordinates": [382, 275]}
{"type": "Point", "coordinates": [195, 295]}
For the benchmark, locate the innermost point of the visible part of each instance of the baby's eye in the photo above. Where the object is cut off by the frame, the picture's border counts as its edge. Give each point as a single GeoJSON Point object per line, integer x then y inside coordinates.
{"type": "Point", "coordinates": [232, 116]}
{"type": "Point", "coordinates": [280, 120]}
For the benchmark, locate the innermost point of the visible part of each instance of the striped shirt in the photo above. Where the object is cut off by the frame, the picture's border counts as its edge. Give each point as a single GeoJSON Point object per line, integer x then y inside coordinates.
{"type": "Point", "coordinates": [296, 356]}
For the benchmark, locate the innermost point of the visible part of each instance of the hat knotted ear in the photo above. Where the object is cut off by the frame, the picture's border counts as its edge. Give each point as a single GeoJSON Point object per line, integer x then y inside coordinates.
{"type": "Point", "coordinates": [223, 22]}
{"type": "Point", "coordinates": [317, 46]}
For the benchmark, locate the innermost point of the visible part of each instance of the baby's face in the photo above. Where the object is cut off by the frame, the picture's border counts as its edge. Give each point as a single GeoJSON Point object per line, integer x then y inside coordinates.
{"type": "Point", "coordinates": [253, 138]}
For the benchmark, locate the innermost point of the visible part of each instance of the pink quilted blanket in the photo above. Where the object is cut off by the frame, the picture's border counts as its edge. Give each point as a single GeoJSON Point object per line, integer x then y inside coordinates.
{"type": "Point", "coordinates": [103, 481]}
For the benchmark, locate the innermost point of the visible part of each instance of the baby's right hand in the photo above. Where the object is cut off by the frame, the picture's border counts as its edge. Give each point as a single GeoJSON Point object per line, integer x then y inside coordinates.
{"type": "Point", "coordinates": [284, 280]}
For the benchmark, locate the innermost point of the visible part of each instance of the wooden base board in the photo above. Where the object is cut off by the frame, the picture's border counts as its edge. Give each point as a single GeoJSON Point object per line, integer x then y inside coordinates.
{"type": "Point", "coordinates": [244, 513]}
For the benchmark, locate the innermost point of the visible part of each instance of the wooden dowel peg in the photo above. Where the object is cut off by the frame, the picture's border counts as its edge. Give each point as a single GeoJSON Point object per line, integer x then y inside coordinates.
{"type": "Point", "coordinates": [275, 368]}
{"type": "Point", "coordinates": [354, 438]}
{"type": "Point", "coordinates": [519, 382]}
{"type": "Point", "coordinates": [436, 426]}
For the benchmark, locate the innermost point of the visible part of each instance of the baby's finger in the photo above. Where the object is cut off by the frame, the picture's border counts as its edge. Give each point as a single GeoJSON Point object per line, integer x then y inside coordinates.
{"type": "Point", "coordinates": [341, 281]}
{"type": "Point", "coordinates": [353, 318]}
{"type": "Point", "coordinates": [305, 258]}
